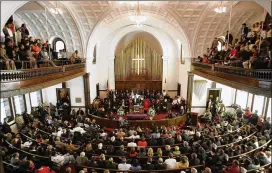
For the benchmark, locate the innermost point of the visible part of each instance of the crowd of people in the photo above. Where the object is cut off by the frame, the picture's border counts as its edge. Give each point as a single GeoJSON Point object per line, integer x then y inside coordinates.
{"type": "Point", "coordinates": [252, 50]}
{"type": "Point", "coordinates": [50, 144]}
{"type": "Point", "coordinates": [21, 51]}
{"type": "Point", "coordinates": [121, 102]}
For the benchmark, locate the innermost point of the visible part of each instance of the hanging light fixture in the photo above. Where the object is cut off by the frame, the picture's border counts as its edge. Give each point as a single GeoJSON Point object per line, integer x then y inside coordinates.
{"type": "Point", "coordinates": [138, 17]}
{"type": "Point", "coordinates": [221, 8]}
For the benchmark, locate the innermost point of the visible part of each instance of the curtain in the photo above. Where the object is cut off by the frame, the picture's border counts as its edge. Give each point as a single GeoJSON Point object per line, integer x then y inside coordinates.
{"type": "Point", "coordinates": [138, 58]}
{"type": "Point", "coordinates": [199, 88]}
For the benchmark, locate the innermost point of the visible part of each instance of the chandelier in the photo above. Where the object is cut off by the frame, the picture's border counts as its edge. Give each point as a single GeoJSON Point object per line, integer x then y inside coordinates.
{"type": "Point", "coordinates": [138, 17]}
{"type": "Point", "coordinates": [220, 8]}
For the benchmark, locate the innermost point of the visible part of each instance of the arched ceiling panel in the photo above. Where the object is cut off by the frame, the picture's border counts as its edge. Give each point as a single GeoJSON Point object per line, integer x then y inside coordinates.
{"type": "Point", "coordinates": [196, 18]}
{"type": "Point", "coordinates": [61, 25]}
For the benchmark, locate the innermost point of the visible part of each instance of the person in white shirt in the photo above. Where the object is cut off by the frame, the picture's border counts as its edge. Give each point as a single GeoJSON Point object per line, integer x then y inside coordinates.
{"type": "Point", "coordinates": [132, 144]}
{"type": "Point", "coordinates": [124, 166]}
{"type": "Point", "coordinates": [171, 163]}
{"type": "Point", "coordinates": [134, 136]}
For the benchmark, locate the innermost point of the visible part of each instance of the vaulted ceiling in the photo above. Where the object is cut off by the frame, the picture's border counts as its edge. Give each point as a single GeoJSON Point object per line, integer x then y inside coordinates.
{"type": "Point", "coordinates": [196, 18]}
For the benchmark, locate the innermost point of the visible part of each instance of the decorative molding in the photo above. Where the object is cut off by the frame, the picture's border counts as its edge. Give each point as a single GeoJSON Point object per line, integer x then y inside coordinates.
{"type": "Point", "coordinates": [11, 93]}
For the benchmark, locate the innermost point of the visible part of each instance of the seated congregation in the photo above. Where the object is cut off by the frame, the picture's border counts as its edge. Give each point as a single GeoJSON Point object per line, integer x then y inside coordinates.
{"type": "Point", "coordinates": [124, 104]}
{"type": "Point", "coordinates": [233, 143]}
{"type": "Point", "coordinates": [19, 50]}
{"type": "Point", "coordinates": [251, 51]}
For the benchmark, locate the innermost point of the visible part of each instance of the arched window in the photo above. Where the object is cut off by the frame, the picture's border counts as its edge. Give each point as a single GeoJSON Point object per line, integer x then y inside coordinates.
{"type": "Point", "coordinates": [58, 44]}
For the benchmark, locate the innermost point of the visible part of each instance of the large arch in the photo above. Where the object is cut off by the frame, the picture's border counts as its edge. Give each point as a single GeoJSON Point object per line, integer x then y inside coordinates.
{"type": "Point", "coordinates": [107, 36]}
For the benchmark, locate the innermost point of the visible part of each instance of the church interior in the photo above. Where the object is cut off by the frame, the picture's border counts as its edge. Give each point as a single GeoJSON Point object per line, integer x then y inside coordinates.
{"type": "Point", "coordinates": [136, 86]}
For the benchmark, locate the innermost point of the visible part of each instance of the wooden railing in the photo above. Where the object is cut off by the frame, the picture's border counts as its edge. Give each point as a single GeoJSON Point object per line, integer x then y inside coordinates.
{"type": "Point", "coordinates": [261, 74]}
{"type": "Point", "coordinates": [16, 75]}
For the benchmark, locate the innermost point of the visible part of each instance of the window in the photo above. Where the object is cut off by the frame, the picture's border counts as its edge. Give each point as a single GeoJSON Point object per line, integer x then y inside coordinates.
{"type": "Point", "coordinates": [6, 114]}
{"type": "Point", "coordinates": [258, 104]}
{"type": "Point", "coordinates": [269, 109]}
{"type": "Point", "coordinates": [19, 104]}
{"type": "Point", "coordinates": [58, 44]}
{"type": "Point", "coordinates": [35, 98]}
{"type": "Point", "coordinates": [241, 98]}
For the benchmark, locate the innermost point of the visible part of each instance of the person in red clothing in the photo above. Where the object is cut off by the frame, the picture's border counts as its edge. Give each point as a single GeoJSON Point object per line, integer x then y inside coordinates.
{"type": "Point", "coordinates": [247, 114]}
{"type": "Point", "coordinates": [44, 169]}
{"type": "Point", "coordinates": [133, 153]}
{"type": "Point", "coordinates": [205, 59]}
{"type": "Point", "coordinates": [234, 53]}
{"type": "Point", "coordinates": [234, 168]}
{"type": "Point", "coordinates": [35, 49]}
{"type": "Point", "coordinates": [142, 142]}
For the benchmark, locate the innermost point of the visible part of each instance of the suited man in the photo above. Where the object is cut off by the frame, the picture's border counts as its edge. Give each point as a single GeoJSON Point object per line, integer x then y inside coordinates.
{"type": "Point", "coordinates": [122, 151]}
{"type": "Point", "coordinates": [153, 142]}
{"type": "Point", "coordinates": [170, 140]}
{"type": "Point", "coordinates": [160, 165]}
{"type": "Point", "coordinates": [149, 165]}
{"type": "Point", "coordinates": [228, 38]}
{"type": "Point", "coordinates": [244, 32]}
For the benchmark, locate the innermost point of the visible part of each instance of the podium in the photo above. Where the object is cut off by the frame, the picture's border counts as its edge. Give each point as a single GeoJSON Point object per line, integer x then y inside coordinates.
{"type": "Point", "coordinates": [194, 118]}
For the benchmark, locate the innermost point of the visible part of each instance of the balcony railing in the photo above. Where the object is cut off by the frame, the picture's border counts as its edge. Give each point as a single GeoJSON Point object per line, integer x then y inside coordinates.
{"type": "Point", "coordinates": [26, 74]}
{"type": "Point", "coordinates": [261, 74]}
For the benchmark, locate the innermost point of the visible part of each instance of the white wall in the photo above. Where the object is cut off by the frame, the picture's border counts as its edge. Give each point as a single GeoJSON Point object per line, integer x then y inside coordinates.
{"type": "Point", "coordinates": [76, 86]}
{"type": "Point", "coordinates": [28, 106]}
{"type": "Point", "coordinates": [183, 76]}
{"type": "Point", "coordinates": [49, 94]}
{"type": "Point", "coordinates": [201, 101]}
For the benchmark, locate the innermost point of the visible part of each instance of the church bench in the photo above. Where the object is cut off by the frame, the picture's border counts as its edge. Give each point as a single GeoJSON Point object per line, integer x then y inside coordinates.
{"type": "Point", "coordinates": [252, 151]}
{"type": "Point", "coordinates": [115, 124]}
{"type": "Point", "coordinates": [142, 171]}
{"type": "Point", "coordinates": [237, 142]}
{"type": "Point", "coordinates": [267, 166]}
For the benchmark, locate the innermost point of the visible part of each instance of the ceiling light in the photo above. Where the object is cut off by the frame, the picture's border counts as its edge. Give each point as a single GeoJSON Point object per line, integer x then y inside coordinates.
{"type": "Point", "coordinates": [56, 10]}
{"type": "Point", "coordinates": [220, 8]}
{"type": "Point", "coordinates": [138, 17]}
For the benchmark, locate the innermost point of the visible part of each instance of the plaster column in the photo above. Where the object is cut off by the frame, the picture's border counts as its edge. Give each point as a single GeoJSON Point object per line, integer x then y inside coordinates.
{"type": "Point", "coordinates": [111, 74]}
{"type": "Point", "coordinates": [91, 69]}
{"type": "Point", "coordinates": [190, 86]}
{"type": "Point", "coordinates": [165, 73]}
{"type": "Point", "coordinates": [86, 83]}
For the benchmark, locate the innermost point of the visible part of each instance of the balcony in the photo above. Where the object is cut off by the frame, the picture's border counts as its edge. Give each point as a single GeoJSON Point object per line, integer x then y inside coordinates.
{"type": "Point", "coordinates": [255, 81]}
{"type": "Point", "coordinates": [15, 82]}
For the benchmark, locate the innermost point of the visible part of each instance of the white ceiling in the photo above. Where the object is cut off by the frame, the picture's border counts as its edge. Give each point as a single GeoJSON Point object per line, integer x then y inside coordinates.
{"type": "Point", "coordinates": [196, 18]}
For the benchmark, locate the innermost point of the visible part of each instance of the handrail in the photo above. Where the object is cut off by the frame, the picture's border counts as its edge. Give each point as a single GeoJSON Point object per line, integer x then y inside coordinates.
{"type": "Point", "coordinates": [25, 74]}
{"type": "Point", "coordinates": [28, 137]}
{"type": "Point", "coordinates": [237, 130]}
{"type": "Point", "coordinates": [259, 74]}
{"type": "Point", "coordinates": [165, 170]}
{"type": "Point", "coordinates": [25, 151]}
{"type": "Point", "coordinates": [249, 152]}
{"type": "Point", "coordinates": [260, 168]}
{"type": "Point", "coordinates": [227, 145]}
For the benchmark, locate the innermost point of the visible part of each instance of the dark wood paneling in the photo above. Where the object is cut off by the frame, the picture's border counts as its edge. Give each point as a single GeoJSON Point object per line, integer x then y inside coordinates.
{"type": "Point", "coordinates": [142, 123]}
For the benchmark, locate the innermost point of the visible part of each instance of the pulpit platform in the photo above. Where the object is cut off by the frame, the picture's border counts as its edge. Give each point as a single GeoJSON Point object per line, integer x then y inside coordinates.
{"type": "Point", "coordinates": [136, 116]}
{"type": "Point", "coordinates": [105, 122]}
